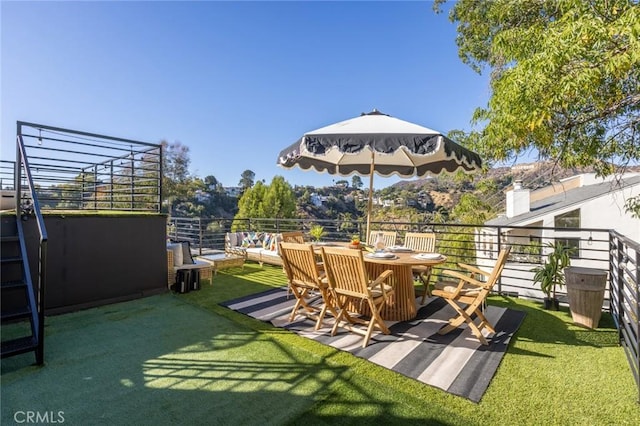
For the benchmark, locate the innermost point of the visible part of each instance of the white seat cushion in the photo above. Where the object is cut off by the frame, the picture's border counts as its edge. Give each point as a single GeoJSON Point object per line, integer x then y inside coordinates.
{"type": "Point", "coordinates": [198, 265]}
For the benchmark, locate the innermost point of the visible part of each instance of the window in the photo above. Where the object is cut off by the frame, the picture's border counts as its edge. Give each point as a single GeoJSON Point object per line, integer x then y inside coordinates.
{"type": "Point", "coordinates": [568, 220]}
{"type": "Point", "coordinates": [571, 242]}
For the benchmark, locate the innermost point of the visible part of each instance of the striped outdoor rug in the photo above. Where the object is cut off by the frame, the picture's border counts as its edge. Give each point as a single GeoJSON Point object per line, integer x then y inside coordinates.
{"type": "Point", "coordinates": [456, 362]}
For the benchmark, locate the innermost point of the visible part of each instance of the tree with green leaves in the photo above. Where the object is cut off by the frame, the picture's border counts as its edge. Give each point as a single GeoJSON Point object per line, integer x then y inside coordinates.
{"type": "Point", "coordinates": [177, 183]}
{"type": "Point", "coordinates": [279, 200]}
{"type": "Point", "coordinates": [564, 78]}
{"type": "Point", "coordinates": [247, 180]}
{"type": "Point", "coordinates": [470, 210]}
{"type": "Point", "coordinates": [356, 182]}
{"type": "Point", "coordinates": [212, 183]}
{"type": "Point", "coordinates": [274, 201]}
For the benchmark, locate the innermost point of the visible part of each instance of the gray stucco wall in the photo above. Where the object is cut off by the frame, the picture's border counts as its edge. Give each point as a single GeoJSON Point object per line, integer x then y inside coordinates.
{"type": "Point", "coordinates": [97, 260]}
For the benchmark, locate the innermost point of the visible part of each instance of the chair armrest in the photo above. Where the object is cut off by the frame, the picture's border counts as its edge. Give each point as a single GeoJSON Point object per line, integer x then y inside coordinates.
{"type": "Point", "coordinates": [380, 282]}
{"type": "Point", "coordinates": [473, 269]}
{"type": "Point", "coordinates": [464, 279]}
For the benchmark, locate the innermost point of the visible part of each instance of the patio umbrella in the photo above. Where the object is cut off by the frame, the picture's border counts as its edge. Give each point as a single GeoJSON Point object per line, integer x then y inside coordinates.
{"type": "Point", "coordinates": [377, 143]}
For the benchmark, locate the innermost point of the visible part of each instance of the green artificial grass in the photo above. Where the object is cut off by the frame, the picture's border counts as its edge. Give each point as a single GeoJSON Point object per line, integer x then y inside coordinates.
{"type": "Point", "coordinates": [183, 359]}
{"type": "Point", "coordinates": [161, 361]}
{"type": "Point", "coordinates": [553, 372]}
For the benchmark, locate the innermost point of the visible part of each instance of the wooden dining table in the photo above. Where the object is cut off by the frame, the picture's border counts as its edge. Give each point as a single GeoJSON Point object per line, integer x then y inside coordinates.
{"type": "Point", "coordinates": [401, 306]}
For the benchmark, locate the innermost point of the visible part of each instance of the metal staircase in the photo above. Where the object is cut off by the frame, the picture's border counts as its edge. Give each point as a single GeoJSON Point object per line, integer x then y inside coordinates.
{"type": "Point", "coordinates": [22, 293]}
{"type": "Point", "coordinates": [22, 329]}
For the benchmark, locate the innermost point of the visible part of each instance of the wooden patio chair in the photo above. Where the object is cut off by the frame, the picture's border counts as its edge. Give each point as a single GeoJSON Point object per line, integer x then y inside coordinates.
{"type": "Point", "coordinates": [293, 237]}
{"type": "Point", "coordinates": [423, 242]}
{"type": "Point", "coordinates": [298, 237]}
{"type": "Point", "coordinates": [351, 287]}
{"type": "Point", "coordinates": [299, 261]}
{"type": "Point", "coordinates": [467, 296]}
{"type": "Point", "coordinates": [389, 237]}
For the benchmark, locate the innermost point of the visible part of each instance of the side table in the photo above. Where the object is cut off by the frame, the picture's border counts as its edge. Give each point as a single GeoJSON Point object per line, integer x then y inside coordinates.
{"type": "Point", "coordinates": [223, 261]}
{"type": "Point", "coordinates": [189, 273]}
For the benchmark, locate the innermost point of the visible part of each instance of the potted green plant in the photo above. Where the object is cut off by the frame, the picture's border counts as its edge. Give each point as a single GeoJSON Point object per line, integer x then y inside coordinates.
{"type": "Point", "coordinates": [550, 274]}
{"type": "Point", "coordinates": [317, 232]}
{"type": "Point", "coordinates": [355, 241]}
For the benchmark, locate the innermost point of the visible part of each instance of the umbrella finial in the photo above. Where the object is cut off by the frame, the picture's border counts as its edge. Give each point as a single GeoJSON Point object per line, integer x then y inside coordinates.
{"type": "Point", "coordinates": [373, 112]}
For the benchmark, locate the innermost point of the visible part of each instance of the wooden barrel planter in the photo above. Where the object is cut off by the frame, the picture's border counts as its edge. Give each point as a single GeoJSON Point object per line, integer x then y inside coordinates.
{"type": "Point", "coordinates": [585, 289]}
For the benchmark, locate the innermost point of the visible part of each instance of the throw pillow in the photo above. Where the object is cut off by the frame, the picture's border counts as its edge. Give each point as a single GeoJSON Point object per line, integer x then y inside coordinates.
{"type": "Point", "coordinates": [274, 242]}
{"type": "Point", "coordinates": [232, 239]}
{"type": "Point", "coordinates": [266, 242]}
{"type": "Point", "coordinates": [176, 248]}
{"type": "Point", "coordinates": [247, 242]}
{"type": "Point", "coordinates": [257, 238]}
{"type": "Point", "coordinates": [186, 253]}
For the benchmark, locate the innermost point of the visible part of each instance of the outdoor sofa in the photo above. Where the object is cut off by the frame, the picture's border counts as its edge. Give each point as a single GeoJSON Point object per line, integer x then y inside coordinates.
{"type": "Point", "coordinates": [261, 247]}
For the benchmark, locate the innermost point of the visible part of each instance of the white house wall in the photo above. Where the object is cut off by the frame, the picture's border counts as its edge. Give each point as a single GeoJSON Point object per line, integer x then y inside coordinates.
{"type": "Point", "coordinates": [604, 212]}
{"type": "Point", "coordinates": [608, 212]}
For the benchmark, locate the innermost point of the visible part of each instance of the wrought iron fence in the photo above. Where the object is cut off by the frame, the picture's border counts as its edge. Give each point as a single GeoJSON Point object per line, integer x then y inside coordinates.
{"type": "Point", "coordinates": [73, 170]}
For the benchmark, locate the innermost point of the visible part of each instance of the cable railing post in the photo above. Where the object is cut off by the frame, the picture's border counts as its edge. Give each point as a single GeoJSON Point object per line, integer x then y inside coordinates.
{"type": "Point", "coordinates": [499, 248]}
{"type": "Point", "coordinates": [637, 313]}
{"type": "Point", "coordinates": [95, 187]}
{"type": "Point", "coordinates": [617, 309]}
{"type": "Point", "coordinates": [160, 182]}
{"type": "Point", "coordinates": [132, 182]}
{"type": "Point", "coordinates": [111, 186]}
{"type": "Point", "coordinates": [200, 236]}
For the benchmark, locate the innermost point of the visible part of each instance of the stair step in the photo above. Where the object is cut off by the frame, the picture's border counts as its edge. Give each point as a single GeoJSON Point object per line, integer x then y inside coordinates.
{"type": "Point", "coordinates": [11, 259]}
{"type": "Point", "coordinates": [19, 346]}
{"type": "Point", "coordinates": [9, 238]}
{"type": "Point", "coordinates": [13, 284]}
{"type": "Point", "coordinates": [15, 314]}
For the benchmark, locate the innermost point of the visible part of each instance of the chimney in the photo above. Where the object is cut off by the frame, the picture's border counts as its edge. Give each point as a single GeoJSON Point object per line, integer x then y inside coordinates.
{"type": "Point", "coordinates": [517, 200]}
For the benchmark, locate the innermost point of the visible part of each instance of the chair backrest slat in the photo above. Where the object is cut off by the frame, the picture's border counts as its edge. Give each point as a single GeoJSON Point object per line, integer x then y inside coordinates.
{"type": "Point", "coordinates": [293, 237]}
{"type": "Point", "coordinates": [389, 237]}
{"type": "Point", "coordinates": [420, 241]}
{"type": "Point", "coordinates": [499, 266]}
{"type": "Point", "coordinates": [299, 261]}
{"type": "Point", "coordinates": [346, 271]}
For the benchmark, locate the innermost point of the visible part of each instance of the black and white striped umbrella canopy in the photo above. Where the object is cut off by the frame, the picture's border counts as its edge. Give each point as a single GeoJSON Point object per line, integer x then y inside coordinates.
{"type": "Point", "coordinates": [376, 143]}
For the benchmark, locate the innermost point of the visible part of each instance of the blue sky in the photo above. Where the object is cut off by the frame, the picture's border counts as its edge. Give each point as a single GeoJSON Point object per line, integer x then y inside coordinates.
{"type": "Point", "coordinates": [236, 82]}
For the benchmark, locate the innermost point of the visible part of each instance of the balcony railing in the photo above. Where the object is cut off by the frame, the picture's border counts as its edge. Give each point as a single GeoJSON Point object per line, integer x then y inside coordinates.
{"type": "Point", "coordinates": [73, 170]}
{"type": "Point", "coordinates": [461, 243]}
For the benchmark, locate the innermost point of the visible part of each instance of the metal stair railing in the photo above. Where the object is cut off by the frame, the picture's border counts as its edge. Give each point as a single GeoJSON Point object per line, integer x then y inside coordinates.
{"type": "Point", "coordinates": [32, 207]}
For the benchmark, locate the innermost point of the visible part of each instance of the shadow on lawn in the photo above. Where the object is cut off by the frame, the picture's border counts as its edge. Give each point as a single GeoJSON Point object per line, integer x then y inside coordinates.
{"type": "Point", "coordinates": [160, 360]}
{"type": "Point", "coordinates": [557, 327]}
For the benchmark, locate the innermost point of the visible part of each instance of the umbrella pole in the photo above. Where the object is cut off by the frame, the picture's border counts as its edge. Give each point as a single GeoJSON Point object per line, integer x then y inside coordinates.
{"type": "Point", "coordinates": [370, 201]}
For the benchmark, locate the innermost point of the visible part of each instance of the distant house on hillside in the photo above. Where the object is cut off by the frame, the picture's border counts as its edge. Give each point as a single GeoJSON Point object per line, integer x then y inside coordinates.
{"type": "Point", "coordinates": [317, 200]}
{"type": "Point", "coordinates": [561, 212]}
{"type": "Point", "coordinates": [233, 191]}
{"type": "Point", "coordinates": [202, 196]}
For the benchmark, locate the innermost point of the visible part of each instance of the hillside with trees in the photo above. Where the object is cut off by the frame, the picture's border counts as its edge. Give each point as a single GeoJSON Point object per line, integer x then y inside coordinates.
{"type": "Point", "coordinates": [464, 198]}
